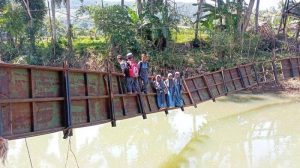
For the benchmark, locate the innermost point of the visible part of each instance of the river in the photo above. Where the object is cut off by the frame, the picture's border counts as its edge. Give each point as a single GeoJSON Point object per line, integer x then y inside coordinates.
{"type": "Point", "coordinates": [241, 130]}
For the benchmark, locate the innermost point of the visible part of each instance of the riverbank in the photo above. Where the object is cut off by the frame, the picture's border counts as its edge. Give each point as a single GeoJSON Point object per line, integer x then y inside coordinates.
{"type": "Point", "coordinates": [288, 87]}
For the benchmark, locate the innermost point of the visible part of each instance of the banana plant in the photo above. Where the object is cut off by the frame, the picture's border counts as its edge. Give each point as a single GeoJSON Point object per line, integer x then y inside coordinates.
{"type": "Point", "coordinates": [156, 21]}
{"type": "Point", "coordinates": [221, 15]}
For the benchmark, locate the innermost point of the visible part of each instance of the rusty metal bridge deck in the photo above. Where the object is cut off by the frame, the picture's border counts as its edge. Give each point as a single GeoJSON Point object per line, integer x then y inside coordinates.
{"type": "Point", "coordinates": [37, 100]}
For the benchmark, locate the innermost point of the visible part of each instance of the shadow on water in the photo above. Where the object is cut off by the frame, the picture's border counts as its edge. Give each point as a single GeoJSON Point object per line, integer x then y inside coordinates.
{"type": "Point", "coordinates": [241, 98]}
{"type": "Point", "coordinates": [259, 132]}
{"type": "Point", "coordinates": [180, 159]}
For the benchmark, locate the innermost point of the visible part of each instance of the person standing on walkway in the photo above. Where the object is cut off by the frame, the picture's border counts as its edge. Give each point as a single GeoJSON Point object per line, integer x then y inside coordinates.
{"type": "Point", "coordinates": [125, 70]}
{"type": "Point", "coordinates": [133, 72]}
{"type": "Point", "coordinates": [178, 90]}
{"type": "Point", "coordinates": [144, 73]}
{"type": "Point", "coordinates": [170, 85]}
{"type": "Point", "coordinates": [160, 92]}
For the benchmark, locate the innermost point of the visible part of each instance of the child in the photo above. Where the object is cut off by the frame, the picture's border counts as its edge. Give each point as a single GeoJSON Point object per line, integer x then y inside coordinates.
{"type": "Point", "coordinates": [143, 72]}
{"type": "Point", "coordinates": [170, 85]}
{"type": "Point", "coordinates": [178, 90]}
{"type": "Point", "coordinates": [133, 72]}
{"type": "Point", "coordinates": [160, 90]}
{"type": "Point", "coordinates": [125, 70]}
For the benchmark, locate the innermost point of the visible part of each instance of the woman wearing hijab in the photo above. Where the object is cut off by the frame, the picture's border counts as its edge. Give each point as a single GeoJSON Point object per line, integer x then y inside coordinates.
{"type": "Point", "coordinates": [178, 90]}
{"type": "Point", "coordinates": [160, 90]}
{"type": "Point", "coordinates": [170, 85]}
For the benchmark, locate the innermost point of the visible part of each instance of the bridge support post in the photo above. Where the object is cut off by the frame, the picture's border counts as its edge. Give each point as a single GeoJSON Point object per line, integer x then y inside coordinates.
{"type": "Point", "coordinates": [111, 100]}
{"type": "Point", "coordinates": [241, 76]}
{"type": "Point", "coordinates": [67, 103]}
{"type": "Point", "coordinates": [120, 86]}
{"type": "Point", "coordinates": [292, 69]}
{"type": "Point", "coordinates": [208, 88]}
{"type": "Point", "coordinates": [275, 72]}
{"type": "Point", "coordinates": [189, 93]}
{"type": "Point", "coordinates": [255, 73]}
{"type": "Point", "coordinates": [224, 82]}
{"type": "Point", "coordinates": [140, 101]}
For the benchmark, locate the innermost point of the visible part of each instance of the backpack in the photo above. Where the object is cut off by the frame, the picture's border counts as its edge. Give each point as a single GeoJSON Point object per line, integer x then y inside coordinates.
{"type": "Point", "coordinates": [133, 69]}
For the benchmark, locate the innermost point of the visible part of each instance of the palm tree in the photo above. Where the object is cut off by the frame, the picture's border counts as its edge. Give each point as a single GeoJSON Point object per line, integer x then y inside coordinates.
{"type": "Point", "coordinates": [69, 32]}
{"type": "Point", "coordinates": [199, 11]}
{"type": "Point", "coordinates": [256, 15]}
{"type": "Point", "coordinates": [67, 4]}
{"type": "Point", "coordinates": [139, 7]}
{"type": "Point", "coordinates": [53, 18]}
{"type": "Point", "coordinates": [248, 14]}
{"type": "Point", "coordinates": [298, 31]}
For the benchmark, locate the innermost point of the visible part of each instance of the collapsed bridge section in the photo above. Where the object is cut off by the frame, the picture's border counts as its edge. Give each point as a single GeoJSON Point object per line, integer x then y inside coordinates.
{"type": "Point", "coordinates": [37, 100]}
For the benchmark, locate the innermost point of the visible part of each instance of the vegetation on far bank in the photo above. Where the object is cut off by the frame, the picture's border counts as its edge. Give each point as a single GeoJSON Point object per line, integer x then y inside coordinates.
{"type": "Point", "coordinates": [219, 35]}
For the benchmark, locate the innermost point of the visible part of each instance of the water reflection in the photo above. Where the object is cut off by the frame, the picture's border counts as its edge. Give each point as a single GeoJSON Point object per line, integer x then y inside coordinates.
{"type": "Point", "coordinates": [262, 132]}
{"type": "Point", "coordinates": [265, 138]}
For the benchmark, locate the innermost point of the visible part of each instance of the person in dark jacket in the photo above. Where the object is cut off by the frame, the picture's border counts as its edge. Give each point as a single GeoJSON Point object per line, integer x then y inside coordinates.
{"type": "Point", "coordinates": [144, 73]}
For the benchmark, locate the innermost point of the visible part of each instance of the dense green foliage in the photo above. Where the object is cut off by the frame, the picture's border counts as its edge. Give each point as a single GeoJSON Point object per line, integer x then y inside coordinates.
{"type": "Point", "coordinates": [155, 27]}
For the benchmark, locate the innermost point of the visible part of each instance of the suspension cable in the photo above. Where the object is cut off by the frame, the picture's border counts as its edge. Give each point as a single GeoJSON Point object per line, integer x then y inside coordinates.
{"type": "Point", "coordinates": [28, 153]}
{"type": "Point", "coordinates": [72, 152]}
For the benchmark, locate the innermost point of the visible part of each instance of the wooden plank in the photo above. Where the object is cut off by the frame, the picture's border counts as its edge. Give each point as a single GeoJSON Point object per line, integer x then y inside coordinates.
{"type": "Point", "coordinates": [198, 91]}
{"type": "Point", "coordinates": [235, 88]}
{"type": "Point", "coordinates": [189, 93]}
{"type": "Point", "coordinates": [241, 77]}
{"type": "Point", "coordinates": [216, 84]}
{"type": "Point", "coordinates": [208, 89]}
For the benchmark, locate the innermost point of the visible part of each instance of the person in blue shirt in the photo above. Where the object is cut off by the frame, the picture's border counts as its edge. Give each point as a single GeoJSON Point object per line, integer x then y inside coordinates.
{"type": "Point", "coordinates": [170, 85]}
{"type": "Point", "coordinates": [144, 72]}
{"type": "Point", "coordinates": [160, 92]}
{"type": "Point", "coordinates": [178, 90]}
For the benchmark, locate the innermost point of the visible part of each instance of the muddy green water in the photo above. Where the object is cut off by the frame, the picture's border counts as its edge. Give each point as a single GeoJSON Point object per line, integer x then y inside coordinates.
{"type": "Point", "coordinates": [237, 131]}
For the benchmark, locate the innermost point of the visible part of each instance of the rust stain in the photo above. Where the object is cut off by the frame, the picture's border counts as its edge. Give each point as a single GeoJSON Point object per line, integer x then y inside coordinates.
{"type": "Point", "coordinates": [19, 118]}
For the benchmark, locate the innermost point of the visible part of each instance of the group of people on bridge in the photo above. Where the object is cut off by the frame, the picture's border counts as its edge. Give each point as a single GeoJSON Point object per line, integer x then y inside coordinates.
{"type": "Point", "coordinates": [168, 91]}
